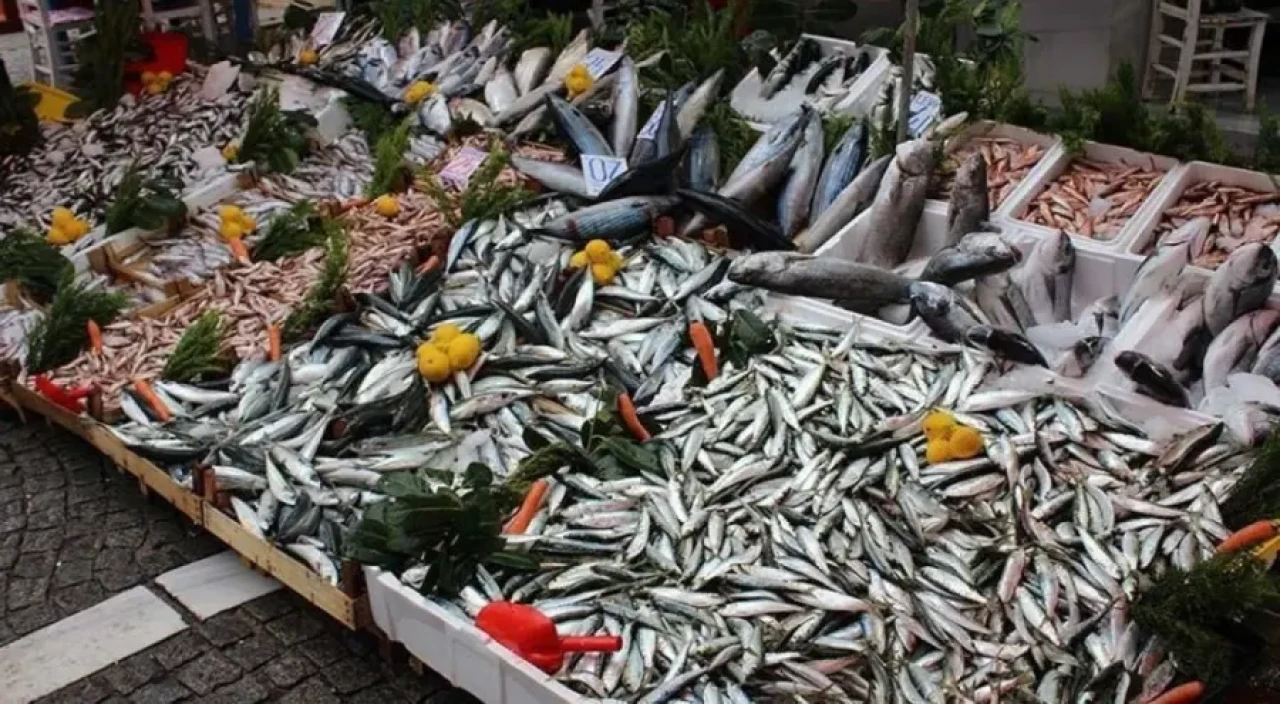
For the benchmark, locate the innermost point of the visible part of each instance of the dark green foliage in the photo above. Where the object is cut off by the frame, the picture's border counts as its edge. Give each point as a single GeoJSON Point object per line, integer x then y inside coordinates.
{"type": "Point", "coordinates": [484, 198]}
{"type": "Point", "coordinates": [431, 518]}
{"type": "Point", "coordinates": [1266, 154]}
{"type": "Point", "coordinates": [294, 231]}
{"type": "Point", "coordinates": [373, 119]}
{"type": "Point", "coordinates": [150, 203]}
{"type": "Point", "coordinates": [1193, 613]}
{"type": "Point", "coordinates": [734, 136]}
{"type": "Point", "coordinates": [275, 140]}
{"type": "Point", "coordinates": [60, 335]}
{"type": "Point", "coordinates": [322, 298]}
{"type": "Point", "coordinates": [696, 43]}
{"type": "Point", "coordinates": [788, 19]}
{"type": "Point", "coordinates": [99, 78]}
{"type": "Point", "coordinates": [34, 263]}
{"type": "Point", "coordinates": [552, 30]}
{"type": "Point", "coordinates": [198, 353]}
{"type": "Point", "coordinates": [1256, 495]}
{"type": "Point", "coordinates": [19, 126]}
{"type": "Point", "coordinates": [390, 173]}
{"type": "Point", "coordinates": [606, 450]}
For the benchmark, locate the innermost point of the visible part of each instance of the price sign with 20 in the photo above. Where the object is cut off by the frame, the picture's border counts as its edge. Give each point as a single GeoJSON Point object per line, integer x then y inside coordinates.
{"type": "Point", "coordinates": [600, 170]}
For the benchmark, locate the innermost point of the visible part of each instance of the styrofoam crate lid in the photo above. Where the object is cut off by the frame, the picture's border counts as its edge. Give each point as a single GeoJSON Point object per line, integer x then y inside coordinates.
{"type": "Point", "coordinates": [1055, 164]}
{"type": "Point", "coordinates": [744, 99]}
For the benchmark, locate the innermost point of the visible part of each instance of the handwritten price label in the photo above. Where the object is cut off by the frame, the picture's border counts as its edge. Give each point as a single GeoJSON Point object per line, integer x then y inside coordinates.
{"type": "Point", "coordinates": [458, 171]}
{"type": "Point", "coordinates": [326, 28]}
{"type": "Point", "coordinates": [599, 61]}
{"type": "Point", "coordinates": [925, 109]}
{"type": "Point", "coordinates": [599, 171]}
{"type": "Point", "coordinates": [650, 128]}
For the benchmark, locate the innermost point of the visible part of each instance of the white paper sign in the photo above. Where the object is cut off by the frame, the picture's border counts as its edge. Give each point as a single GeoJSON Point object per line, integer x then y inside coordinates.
{"type": "Point", "coordinates": [599, 171]}
{"type": "Point", "coordinates": [650, 128]}
{"type": "Point", "coordinates": [458, 171]}
{"type": "Point", "coordinates": [599, 61]}
{"type": "Point", "coordinates": [326, 28]}
{"type": "Point", "coordinates": [925, 109]}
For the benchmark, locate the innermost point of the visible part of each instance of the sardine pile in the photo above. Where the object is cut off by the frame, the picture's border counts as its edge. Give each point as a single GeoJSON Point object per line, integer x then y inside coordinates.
{"type": "Point", "coordinates": [1093, 198]}
{"type": "Point", "coordinates": [795, 542]}
{"type": "Point", "coordinates": [79, 166]}
{"type": "Point", "coordinates": [1238, 216]}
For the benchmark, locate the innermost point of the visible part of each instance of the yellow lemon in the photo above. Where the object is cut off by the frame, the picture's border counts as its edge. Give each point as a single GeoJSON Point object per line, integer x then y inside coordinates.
{"type": "Point", "coordinates": [433, 364]}
{"type": "Point", "coordinates": [230, 213]}
{"type": "Point", "coordinates": [964, 443]}
{"type": "Point", "coordinates": [62, 216]}
{"type": "Point", "coordinates": [231, 152]}
{"type": "Point", "coordinates": [387, 206]}
{"type": "Point", "coordinates": [154, 88]}
{"type": "Point", "coordinates": [602, 273]}
{"type": "Point", "coordinates": [148, 77]}
{"type": "Point", "coordinates": [598, 251]}
{"type": "Point", "coordinates": [77, 228]}
{"type": "Point", "coordinates": [579, 260]}
{"type": "Point", "coordinates": [247, 224]}
{"type": "Point", "coordinates": [445, 334]}
{"type": "Point", "coordinates": [937, 424]}
{"type": "Point", "coordinates": [165, 76]}
{"type": "Point", "coordinates": [577, 83]}
{"type": "Point", "coordinates": [58, 236]}
{"type": "Point", "coordinates": [418, 91]}
{"type": "Point", "coordinates": [463, 351]}
{"type": "Point", "coordinates": [231, 230]}
{"type": "Point", "coordinates": [615, 260]}
{"type": "Point", "coordinates": [937, 451]}
{"type": "Point", "coordinates": [308, 56]}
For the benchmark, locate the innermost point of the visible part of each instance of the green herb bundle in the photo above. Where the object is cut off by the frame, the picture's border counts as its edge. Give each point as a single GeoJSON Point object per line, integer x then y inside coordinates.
{"type": "Point", "coordinates": [275, 140]}
{"type": "Point", "coordinates": [146, 203]}
{"type": "Point", "coordinates": [433, 519]}
{"type": "Point", "coordinates": [34, 263]}
{"type": "Point", "coordinates": [552, 30]}
{"type": "Point", "coordinates": [19, 126]}
{"type": "Point", "coordinates": [293, 231]}
{"type": "Point", "coordinates": [484, 198]}
{"type": "Point", "coordinates": [60, 335]}
{"type": "Point", "coordinates": [695, 43]}
{"type": "Point", "coordinates": [102, 55]}
{"type": "Point", "coordinates": [734, 136]}
{"type": "Point", "coordinates": [396, 17]}
{"type": "Point", "coordinates": [322, 298]}
{"type": "Point", "coordinates": [198, 353]}
{"type": "Point", "coordinates": [390, 173]}
{"type": "Point", "coordinates": [373, 119]}
{"type": "Point", "coordinates": [1266, 153]}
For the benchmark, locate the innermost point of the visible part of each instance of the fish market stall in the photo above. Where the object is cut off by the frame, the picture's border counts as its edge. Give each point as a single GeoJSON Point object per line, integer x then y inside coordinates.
{"type": "Point", "coordinates": [1011, 155]}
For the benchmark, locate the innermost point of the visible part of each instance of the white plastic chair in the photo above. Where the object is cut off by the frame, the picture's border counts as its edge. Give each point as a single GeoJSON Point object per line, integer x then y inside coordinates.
{"type": "Point", "coordinates": [1239, 67]}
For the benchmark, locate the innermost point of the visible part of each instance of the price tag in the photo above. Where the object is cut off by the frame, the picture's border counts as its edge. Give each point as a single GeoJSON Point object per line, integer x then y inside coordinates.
{"type": "Point", "coordinates": [600, 170]}
{"type": "Point", "coordinates": [650, 128]}
{"type": "Point", "coordinates": [925, 109]}
{"type": "Point", "coordinates": [326, 28]}
{"type": "Point", "coordinates": [599, 61]}
{"type": "Point", "coordinates": [458, 171]}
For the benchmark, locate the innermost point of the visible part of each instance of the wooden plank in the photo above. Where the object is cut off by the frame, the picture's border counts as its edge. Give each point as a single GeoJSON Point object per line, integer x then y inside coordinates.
{"type": "Point", "coordinates": [275, 562]}
{"type": "Point", "coordinates": [153, 477]}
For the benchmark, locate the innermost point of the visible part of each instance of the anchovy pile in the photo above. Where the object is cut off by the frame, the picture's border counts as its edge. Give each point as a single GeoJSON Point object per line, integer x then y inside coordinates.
{"type": "Point", "coordinates": [79, 166]}
{"type": "Point", "coordinates": [795, 542]}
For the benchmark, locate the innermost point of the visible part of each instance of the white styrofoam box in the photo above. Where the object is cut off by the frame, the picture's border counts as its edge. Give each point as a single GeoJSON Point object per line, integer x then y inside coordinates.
{"type": "Point", "coordinates": [456, 649]}
{"type": "Point", "coordinates": [1144, 232]}
{"type": "Point", "coordinates": [1055, 163]}
{"type": "Point", "coordinates": [1022, 135]}
{"type": "Point", "coordinates": [744, 99]}
{"type": "Point", "coordinates": [873, 95]}
{"type": "Point", "coordinates": [1097, 275]}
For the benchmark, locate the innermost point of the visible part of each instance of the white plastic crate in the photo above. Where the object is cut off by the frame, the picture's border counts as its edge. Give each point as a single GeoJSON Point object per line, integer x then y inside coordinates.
{"type": "Point", "coordinates": [987, 128]}
{"type": "Point", "coordinates": [761, 113]}
{"type": "Point", "coordinates": [1143, 236]}
{"type": "Point", "coordinates": [1054, 164]}
{"type": "Point", "coordinates": [456, 649]}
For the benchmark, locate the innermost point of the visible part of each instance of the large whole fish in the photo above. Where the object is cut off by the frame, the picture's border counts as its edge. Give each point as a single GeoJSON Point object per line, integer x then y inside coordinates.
{"type": "Point", "coordinates": [896, 211]}
{"type": "Point", "coordinates": [841, 168]}
{"type": "Point", "coordinates": [852, 200]}
{"type": "Point", "coordinates": [969, 207]}
{"type": "Point", "coordinates": [1045, 279]}
{"type": "Point", "coordinates": [820, 277]}
{"type": "Point", "coordinates": [802, 176]}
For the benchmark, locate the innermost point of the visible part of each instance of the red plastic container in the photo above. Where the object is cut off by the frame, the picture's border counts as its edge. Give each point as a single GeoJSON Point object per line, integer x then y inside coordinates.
{"type": "Point", "coordinates": [170, 49]}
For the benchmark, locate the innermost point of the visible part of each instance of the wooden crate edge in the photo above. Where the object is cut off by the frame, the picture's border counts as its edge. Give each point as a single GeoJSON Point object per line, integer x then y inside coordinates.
{"type": "Point", "coordinates": [34, 402]}
{"type": "Point", "coordinates": [155, 478]}
{"type": "Point", "coordinates": [276, 563]}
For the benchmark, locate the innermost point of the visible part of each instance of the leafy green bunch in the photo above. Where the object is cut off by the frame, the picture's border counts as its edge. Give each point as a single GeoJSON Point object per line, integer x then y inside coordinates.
{"type": "Point", "coordinates": [148, 203]}
{"type": "Point", "coordinates": [275, 140]}
{"type": "Point", "coordinates": [321, 299]}
{"type": "Point", "coordinates": [484, 198]}
{"type": "Point", "coordinates": [34, 263]}
{"type": "Point", "coordinates": [390, 173]}
{"type": "Point", "coordinates": [695, 44]}
{"type": "Point", "coordinates": [432, 518]}
{"type": "Point", "coordinates": [294, 231]}
{"type": "Point", "coordinates": [198, 353]}
{"type": "Point", "coordinates": [60, 335]}
{"type": "Point", "coordinates": [102, 55]}
{"type": "Point", "coordinates": [606, 450]}
{"type": "Point", "coordinates": [737, 339]}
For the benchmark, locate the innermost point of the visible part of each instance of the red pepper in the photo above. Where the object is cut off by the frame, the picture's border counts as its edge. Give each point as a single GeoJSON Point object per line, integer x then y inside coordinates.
{"type": "Point", "coordinates": [68, 398]}
{"type": "Point", "coordinates": [531, 635]}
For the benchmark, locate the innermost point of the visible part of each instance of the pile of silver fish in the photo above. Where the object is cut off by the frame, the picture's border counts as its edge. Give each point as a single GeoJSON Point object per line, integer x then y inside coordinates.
{"type": "Point", "coordinates": [795, 544]}
{"type": "Point", "coordinates": [806, 74]}
{"type": "Point", "coordinates": [78, 166]}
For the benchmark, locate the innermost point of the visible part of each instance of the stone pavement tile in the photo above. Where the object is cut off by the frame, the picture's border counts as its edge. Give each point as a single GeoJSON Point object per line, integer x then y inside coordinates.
{"type": "Point", "coordinates": [208, 672]}
{"type": "Point", "coordinates": [288, 669]}
{"type": "Point", "coordinates": [351, 675]}
{"type": "Point", "coordinates": [131, 673]}
{"type": "Point", "coordinates": [255, 650]}
{"type": "Point", "coordinates": [323, 649]}
{"type": "Point", "coordinates": [227, 628]}
{"type": "Point", "coordinates": [164, 691]}
{"type": "Point", "coordinates": [247, 690]}
{"type": "Point", "coordinates": [313, 691]}
{"type": "Point", "coordinates": [296, 627]}
{"type": "Point", "coordinates": [180, 649]}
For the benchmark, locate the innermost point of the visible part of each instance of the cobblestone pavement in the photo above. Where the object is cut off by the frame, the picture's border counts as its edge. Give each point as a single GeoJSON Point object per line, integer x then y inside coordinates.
{"type": "Point", "coordinates": [73, 532]}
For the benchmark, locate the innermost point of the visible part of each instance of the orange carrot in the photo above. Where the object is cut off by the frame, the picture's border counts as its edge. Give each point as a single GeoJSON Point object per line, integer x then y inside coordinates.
{"type": "Point", "coordinates": [627, 409]}
{"type": "Point", "coordinates": [95, 336]}
{"type": "Point", "coordinates": [1187, 693]}
{"type": "Point", "coordinates": [273, 342]}
{"type": "Point", "coordinates": [1253, 533]}
{"type": "Point", "coordinates": [143, 387]}
{"type": "Point", "coordinates": [706, 348]}
{"type": "Point", "coordinates": [528, 508]}
{"type": "Point", "coordinates": [238, 250]}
